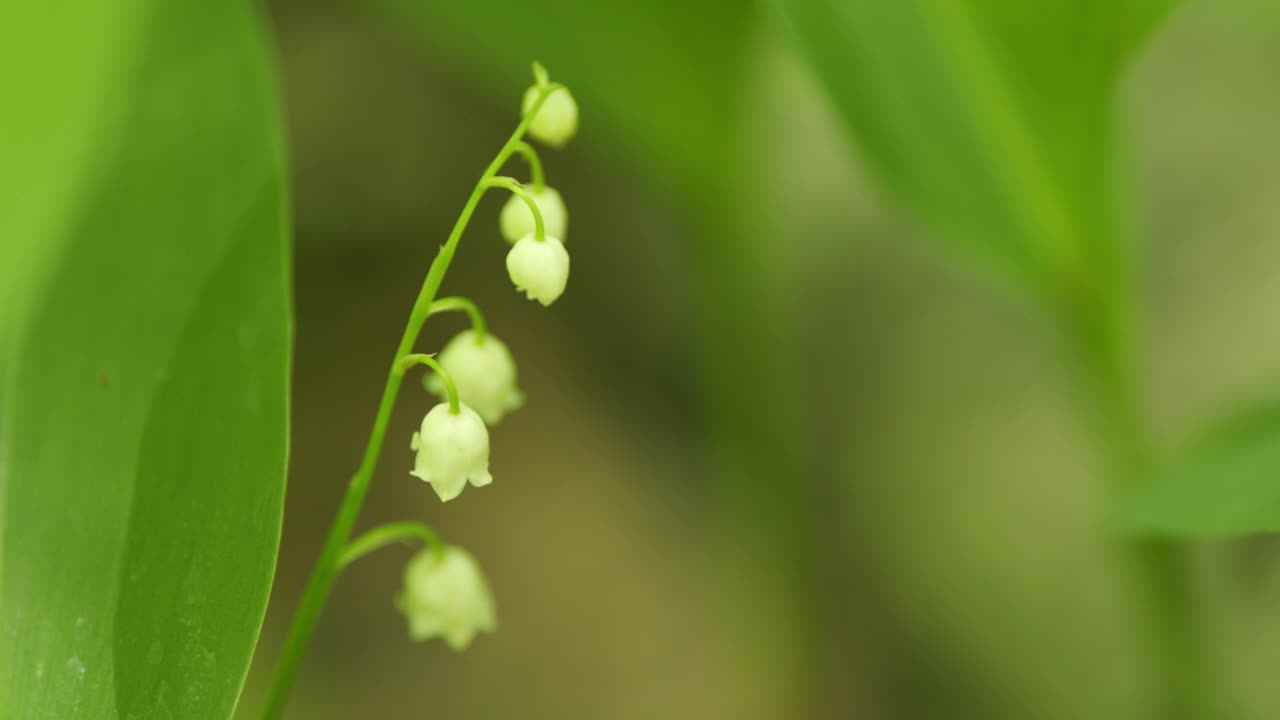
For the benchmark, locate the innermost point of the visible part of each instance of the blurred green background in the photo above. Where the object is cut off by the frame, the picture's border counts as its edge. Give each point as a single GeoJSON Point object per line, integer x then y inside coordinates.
{"type": "Point", "coordinates": [780, 458]}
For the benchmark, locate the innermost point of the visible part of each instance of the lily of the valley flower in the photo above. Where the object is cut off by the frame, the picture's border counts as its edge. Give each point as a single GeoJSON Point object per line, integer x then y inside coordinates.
{"type": "Point", "coordinates": [539, 268]}
{"type": "Point", "coordinates": [557, 119]}
{"type": "Point", "coordinates": [516, 219]}
{"type": "Point", "coordinates": [483, 371]}
{"type": "Point", "coordinates": [445, 595]}
{"type": "Point", "coordinates": [452, 450]}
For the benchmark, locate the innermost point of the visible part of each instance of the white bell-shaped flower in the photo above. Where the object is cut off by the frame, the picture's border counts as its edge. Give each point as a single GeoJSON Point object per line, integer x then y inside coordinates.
{"type": "Point", "coordinates": [539, 268]}
{"type": "Point", "coordinates": [516, 219]}
{"type": "Point", "coordinates": [557, 119]}
{"type": "Point", "coordinates": [452, 450]}
{"type": "Point", "coordinates": [445, 595]}
{"type": "Point", "coordinates": [484, 373]}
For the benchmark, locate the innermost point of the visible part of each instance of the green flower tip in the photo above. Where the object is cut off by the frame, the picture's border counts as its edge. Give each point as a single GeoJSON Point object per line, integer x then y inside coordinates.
{"type": "Point", "coordinates": [540, 76]}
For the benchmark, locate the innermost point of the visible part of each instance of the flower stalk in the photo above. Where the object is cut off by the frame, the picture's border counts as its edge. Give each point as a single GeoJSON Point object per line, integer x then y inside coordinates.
{"type": "Point", "coordinates": [451, 390]}
{"type": "Point", "coordinates": [325, 571]}
{"type": "Point", "coordinates": [536, 177]}
{"type": "Point", "coordinates": [539, 228]}
{"type": "Point", "coordinates": [384, 535]}
{"type": "Point", "coordinates": [457, 303]}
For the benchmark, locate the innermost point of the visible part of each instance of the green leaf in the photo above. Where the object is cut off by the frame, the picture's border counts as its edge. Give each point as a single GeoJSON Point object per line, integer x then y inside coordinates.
{"type": "Point", "coordinates": [59, 106]}
{"type": "Point", "coordinates": [1228, 484]}
{"type": "Point", "coordinates": [143, 401]}
{"type": "Point", "coordinates": [992, 121]}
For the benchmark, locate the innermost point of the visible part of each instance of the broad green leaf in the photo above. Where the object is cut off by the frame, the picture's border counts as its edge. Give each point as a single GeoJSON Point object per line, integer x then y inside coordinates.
{"type": "Point", "coordinates": [1228, 484]}
{"type": "Point", "coordinates": [992, 121]}
{"type": "Point", "coordinates": [60, 105]}
{"type": "Point", "coordinates": [143, 401]}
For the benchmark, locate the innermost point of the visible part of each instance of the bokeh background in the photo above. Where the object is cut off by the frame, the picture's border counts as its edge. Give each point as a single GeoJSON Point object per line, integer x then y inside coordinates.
{"type": "Point", "coordinates": [780, 458]}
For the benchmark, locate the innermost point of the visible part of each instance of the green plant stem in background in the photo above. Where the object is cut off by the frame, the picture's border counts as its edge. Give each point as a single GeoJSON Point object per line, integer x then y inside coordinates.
{"type": "Point", "coordinates": [326, 568]}
{"type": "Point", "coordinates": [1177, 627]}
{"type": "Point", "coordinates": [1187, 673]}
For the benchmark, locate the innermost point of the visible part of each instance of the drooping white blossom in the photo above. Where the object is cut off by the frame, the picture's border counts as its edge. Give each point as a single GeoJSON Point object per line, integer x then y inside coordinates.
{"type": "Point", "coordinates": [539, 268]}
{"type": "Point", "coordinates": [452, 451]}
{"type": "Point", "coordinates": [445, 595]}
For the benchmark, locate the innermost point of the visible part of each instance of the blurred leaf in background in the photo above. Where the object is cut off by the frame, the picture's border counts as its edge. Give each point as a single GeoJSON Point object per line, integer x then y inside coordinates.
{"type": "Point", "coordinates": [143, 403]}
{"type": "Point", "coordinates": [994, 122]}
{"type": "Point", "coordinates": [1228, 484]}
{"type": "Point", "coordinates": [991, 120]}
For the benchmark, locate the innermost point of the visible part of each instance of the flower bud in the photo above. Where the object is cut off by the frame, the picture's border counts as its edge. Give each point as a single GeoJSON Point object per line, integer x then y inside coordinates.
{"type": "Point", "coordinates": [516, 219]}
{"type": "Point", "coordinates": [445, 595]}
{"type": "Point", "coordinates": [452, 449]}
{"type": "Point", "coordinates": [557, 119]}
{"type": "Point", "coordinates": [539, 269]}
{"type": "Point", "coordinates": [483, 372]}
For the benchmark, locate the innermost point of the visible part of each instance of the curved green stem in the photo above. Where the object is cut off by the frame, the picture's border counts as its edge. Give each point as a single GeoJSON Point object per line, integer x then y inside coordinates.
{"type": "Point", "coordinates": [454, 303]}
{"type": "Point", "coordinates": [326, 567]}
{"type": "Point", "coordinates": [1179, 636]}
{"type": "Point", "coordinates": [450, 390]}
{"type": "Point", "coordinates": [539, 231]}
{"type": "Point", "coordinates": [384, 535]}
{"type": "Point", "coordinates": [536, 177]}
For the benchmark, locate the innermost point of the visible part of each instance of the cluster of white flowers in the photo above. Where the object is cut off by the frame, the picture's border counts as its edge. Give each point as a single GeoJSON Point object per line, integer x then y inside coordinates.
{"type": "Point", "coordinates": [445, 594]}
